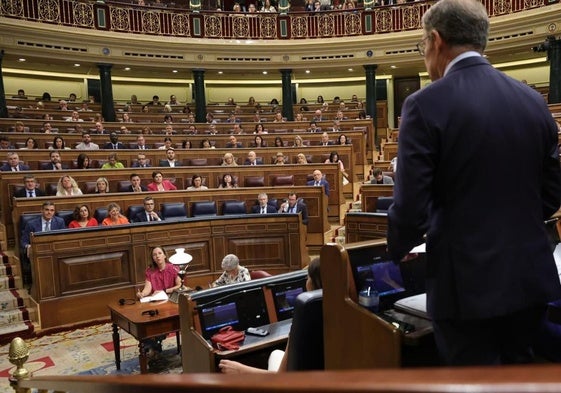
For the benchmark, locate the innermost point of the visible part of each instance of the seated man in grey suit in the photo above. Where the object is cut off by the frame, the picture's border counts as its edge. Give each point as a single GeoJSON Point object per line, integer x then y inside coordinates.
{"type": "Point", "coordinates": [379, 178]}
{"type": "Point", "coordinates": [263, 206]}
{"type": "Point", "coordinates": [30, 190]}
{"type": "Point", "coordinates": [47, 222]}
{"type": "Point", "coordinates": [148, 214]}
{"type": "Point", "coordinates": [13, 164]}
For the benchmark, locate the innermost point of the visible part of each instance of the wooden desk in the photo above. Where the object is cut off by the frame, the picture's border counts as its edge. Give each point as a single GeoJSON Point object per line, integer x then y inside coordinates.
{"type": "Point", "coordinates": [131, 319]}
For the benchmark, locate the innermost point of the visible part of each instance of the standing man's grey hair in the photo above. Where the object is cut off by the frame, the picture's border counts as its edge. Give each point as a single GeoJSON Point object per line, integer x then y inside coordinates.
{"type": "Point", "coordinates": [459, 22]}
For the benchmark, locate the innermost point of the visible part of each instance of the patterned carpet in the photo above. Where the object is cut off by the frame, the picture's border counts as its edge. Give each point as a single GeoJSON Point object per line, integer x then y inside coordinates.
{"type": "Point", "coordinates": [87, 351]}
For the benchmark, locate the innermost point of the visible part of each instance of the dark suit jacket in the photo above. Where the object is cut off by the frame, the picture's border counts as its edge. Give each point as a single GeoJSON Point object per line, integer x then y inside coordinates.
{"type": "Point", "coordinates": [109, 145]}
{"type": "Point", "coordinates": [257, 162]}
{"type": "Point", "coordinates": [481, 208]}
{"type": "Point", "coordinates": [229, 145]}
{"type": "Point", "coordinates": [303, 210]}
{"type": "Point", "coordinates": [141, 216]}
{"type": "Point", "coordinates": [22, 193]}
{"type": "Point", "coordinates": [146, 147]}
{"type": "Point", "coordinates": [166, 163]}
{"type": "Point", "coordinates": [324, 183]}
{"type": "Point", "coordinates": [8, 168]}
{"type": "Point", "coordinates": [36, 226]}
{"type": "Point", "coordinates": [257, 209]}
{"type": "Point", "coordinates": [143, 188]}
{"type": "Point", "coordinates": [137, 165]}
{"type": "Point", "coordinates": [49, 167]}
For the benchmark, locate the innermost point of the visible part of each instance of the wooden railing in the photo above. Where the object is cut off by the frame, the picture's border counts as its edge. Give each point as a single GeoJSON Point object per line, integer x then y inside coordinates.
{"type": "Point", "coordinates": [122, 17]}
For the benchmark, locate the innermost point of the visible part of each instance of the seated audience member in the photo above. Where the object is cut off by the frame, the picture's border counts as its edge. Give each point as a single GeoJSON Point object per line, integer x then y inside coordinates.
{"type": "Point", "coordinates": [5, 143]}
{"type": "Point", "coordinates": [237, 129]}
{"type": "Point", "coordinates": [212, 129]}
{"type": "Point", "coordinates": [87, 143]}
{"type": "Point", "coordinates": [292, 205]}
{"type": "Point", "coordinates": [13, 164]}
{"type": "Point", "coordinates": [114, 143]}
{"type": "Point", "coordinates": [155, 101]}
{"type": "Point", "coordinates": [258, 142]}
{"type": "Point", "coordinates": [136, 185]}
{"type": "Point", "coordinates": [82, 218]}
{"type": "Point", "coordinates": [259, 129]}
{"type": "Point", "coordinates": [168, 130]}
{"type": "Point", "coordinates": [99, 128]}
{"type": "Point", "coordinates": [233, 143]}
{"type": "Point", "coordinates": [205, 144]}
{"type": "Point", "coordinates": [263, 206]}
{"type": "Point", "coordinates": [186, 144]}
{"type": "Point", "coordinates": [325, 140]}
{"type": "Point", "coordinates": [278, 142]}
{"type": "Point", "coordinates": [252, 159]}
{"type": "Point", "coordinates": [82, 161]}
{"type": "Point", "coordinates": [58, 144]}
{"type": "Point", "coordinates": [30, 144]}
{"type": "Point", "coordinates": [379, 178]}
{"type": "Point", "coordinates": [228, 181]}
{"type": "Point", "coordinates": [146, 130]}
{"type": "Point", "coordinates": [141, 161]}
{"type": "Point", "coordinates": [300, 117]}
{"type": "Point", "coordinates": [48, 128]}
{"type": "Point", "coordinates": [159, 183]}
{"type": "Point", "coordinates": [141, 143]}
{"type": "Point", "coordinates": [168, 144]}
{"type": "Point", "coordinates": [170, 160]}
{"type": "Point", "coordinates": [114, 216]}
{"type": "Point", "coordinates": [278, 118]}
{"type": "Point", "coordinates": [67, 186]}
{"type": "Point", "coordinates": [343, 140]}
{"type": "Point", "coordinates": [124, 130]}
{"type": "Point", "coordinates": [148, 214]}
{"type": "Point", "coordinates": [21, 95]}
{"type": "Point", "coordinates": [298, 141]}
{"type": "Point", "coordinates": [126, 118]}
{"type": "Point", "coordinates": [101, 185]}
{"type": "Point", "coordinates": [19, 126]}
{"type": "Point", "coordinates": [279, 158]}
{"type": "Point", "coordinates": [319, 181]}
{"type": "Point", "coordinates": [301, 158]}
{"type": "Point", "coordinates": [232, 367]}
{"type": "Point", "coordinates": [112, 162]}
{"type": "Point", "coordinates": [47, 222]}
{"type": "Point", "coordinates": [74, 117]}
{"type": "Point", "coordinates": [233, 272]}
{"type": "Point", "coordinates": [30, 190]}
{"type": "Point", "coordinates": [334, 159]}
{"type": "Point", "coordinates": [229, 160]}
{"type": "Point", "coordinates": [56, 161]}
{"type": "Point", "coordinates": [197, 184]}
{"type": "Point", "coordinates": [314, 127]}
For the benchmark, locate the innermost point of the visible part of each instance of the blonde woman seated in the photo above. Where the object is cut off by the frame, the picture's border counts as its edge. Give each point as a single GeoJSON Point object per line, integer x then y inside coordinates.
{"type": "Point", "coordinates": [298, 141]}
{"type": "Point", "coordinates": [101, 185]}
{"type": "Point", "coordinates": [279, 159]}
{"type": "Point", "coordinates": [67, 186]}
{"type": "Point", "coordinates": [229, 160]}
{"type": "Point", "coordinates": [82, 218]}
{"type": "Point", "coordinates": [233, 271]}
{"type": "Point", "coordinates": [114, 216]}
{"type": "Point", "coordinates": [301, 159]}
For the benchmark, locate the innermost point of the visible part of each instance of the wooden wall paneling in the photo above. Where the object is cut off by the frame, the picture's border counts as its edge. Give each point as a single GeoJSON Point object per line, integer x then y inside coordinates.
{"type": "Point", "coordinates": [365, 226]}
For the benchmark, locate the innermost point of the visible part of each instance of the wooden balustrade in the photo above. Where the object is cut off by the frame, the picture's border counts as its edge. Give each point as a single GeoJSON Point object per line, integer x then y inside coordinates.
{"type": "Point", "coordinates": [76, 273]}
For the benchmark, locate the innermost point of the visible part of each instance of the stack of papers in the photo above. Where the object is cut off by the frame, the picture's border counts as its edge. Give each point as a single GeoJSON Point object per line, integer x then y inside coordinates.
{"type": "Point", "coordinates": [415, 305]}
{"type": "Point", "coordinates": [156, 297]}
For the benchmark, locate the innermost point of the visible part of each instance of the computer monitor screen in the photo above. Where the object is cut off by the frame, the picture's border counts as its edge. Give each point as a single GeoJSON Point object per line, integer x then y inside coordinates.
{"type": "Point", "coordinates": [386, 274]}
{"type": "Point", "coordinates": [217, 316]}
{"type": "Point", "coordinates": [284, 302]}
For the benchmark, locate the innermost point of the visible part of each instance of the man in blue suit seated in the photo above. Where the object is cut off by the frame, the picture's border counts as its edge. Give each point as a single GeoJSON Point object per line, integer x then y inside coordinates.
{"type": "Point", "coordinates": [490, 269]}
{"type": "Point", "coordinates": [148, 214]}
{"type": "Point", "coordinates": [319, 181]}
{"type": "Point", "coordinates": [136, 184]}
{"type": "Point", "coordinates": [263, 206]}
{"type": "Point", "coordinates": [13, 164]}
{"type": "Point", "coordinates": [293, 205]}
{"type": "Point", "coordinates": [47, 222]}
{"type": "Point", "coordinates": [252, 159]}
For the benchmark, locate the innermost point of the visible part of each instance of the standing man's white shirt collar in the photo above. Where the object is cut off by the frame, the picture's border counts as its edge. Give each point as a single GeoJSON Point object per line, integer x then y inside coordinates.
{"type": "Point", "coordinates": [461, 56]}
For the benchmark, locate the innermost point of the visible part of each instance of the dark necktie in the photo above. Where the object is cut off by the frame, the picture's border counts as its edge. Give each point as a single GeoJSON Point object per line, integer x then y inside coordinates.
{"type": "Point", "coordinates": [30, 194]}
{"type": "Point", "coordinates": [47, 226]}
{"type": "Point", "coordinates": [263, 210]}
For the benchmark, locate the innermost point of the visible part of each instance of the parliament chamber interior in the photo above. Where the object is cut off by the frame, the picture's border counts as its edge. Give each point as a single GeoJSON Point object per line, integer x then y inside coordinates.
{"type": "Point", "coordinates": [172, 97]}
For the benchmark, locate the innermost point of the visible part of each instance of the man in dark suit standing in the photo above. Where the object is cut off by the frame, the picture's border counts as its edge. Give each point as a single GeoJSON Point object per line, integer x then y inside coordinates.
{"type": "Point", "coordinates": [263, 206]}
{"type": "Point", "coordinates": [293, 205]}
{"type": "Point", "coordinates": [319, 181]}
{"type": "Point", "coordinates": [47, 222]}
{"type": "Point", "coordinates": [148, 214]}
{"type": "Point", "coordinates": [13, 164]}
{"type": "Point", "coordinates": [490, 269]}
{"type": "Point", "coordinates": [30, 190]}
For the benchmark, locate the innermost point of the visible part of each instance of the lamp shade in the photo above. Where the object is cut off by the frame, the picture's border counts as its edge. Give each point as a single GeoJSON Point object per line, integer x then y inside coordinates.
{"type": "Point", "coordinates": [180, 257]}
